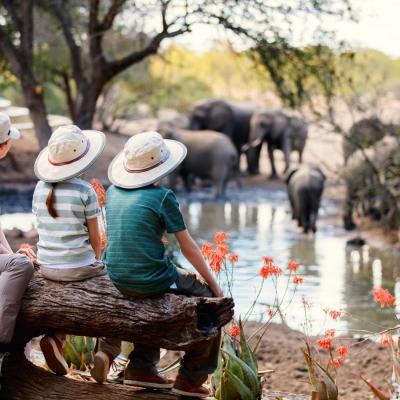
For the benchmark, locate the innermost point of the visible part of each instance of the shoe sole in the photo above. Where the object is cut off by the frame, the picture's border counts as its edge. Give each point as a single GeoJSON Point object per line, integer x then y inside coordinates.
{"type": "Point", "coordinates": [148, 385]}
{"type": "Point", "coordinates": [54, 359]}
{"type": "Point", "coordinates": [189, 394]}
{"type": "Point", "coordinates": [101, 368]}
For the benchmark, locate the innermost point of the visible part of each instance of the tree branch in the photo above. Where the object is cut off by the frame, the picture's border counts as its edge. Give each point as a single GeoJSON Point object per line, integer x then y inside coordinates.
{"type": "Point", "coordinates": [115, 67]}
{"type": "Point", "coordinates": [27, 29]}
{"type": "Point", "coordinates": [12, 10]}
{"type": "Point", "coordinates": [109, 18]}
{"type": "Point", "coordinates": [75, 51]}
{"type": "Point", "coordinates": [11, 52]}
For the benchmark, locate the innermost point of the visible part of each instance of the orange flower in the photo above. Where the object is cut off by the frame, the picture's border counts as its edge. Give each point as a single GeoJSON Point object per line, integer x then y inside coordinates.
{"type": "Point", "coordinates": [234, 331]}
{"type": "Point", "coordinates": [100, 191]}
{"type": "Point", "coordinates": [270, 270]}
{"type": "Point", "coordinates": [233, 257]}
{"type": "Point", "coordinates": [293, 266]}
{"type": "Point", "coordinates": [383, 297]}
{"type": "Point", "coordinates": [325, 342]}
{"type": "Point", "coordinates": [216, 261]}
{"type": "Point", "coordinates": [268, 260]}
{"type": "Point", "coordinates": [270, 313]}
{"type": "Point", "coordinates": [330, 333]}
{"type": "Point", "coordinates": [342, 351]}
{"type": "Point", "coordinates": [223, 250]}
{"type": "Point", "coordinates": [335, 314]}
{"type": "Point", "coordinates": [386, 339]}
{"type": "Point", "coordinates": [297, 280]}
{"type": "Point", "coordinates": [220, 237]}
{"type": "Point", "coordinates": [206, 249]}
{"type": "Point", "coordinates": [336, 362]}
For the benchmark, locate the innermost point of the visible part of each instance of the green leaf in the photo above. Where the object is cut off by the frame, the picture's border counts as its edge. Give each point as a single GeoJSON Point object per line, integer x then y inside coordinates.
{"type": "Point", "coordinates": [79, 343]}
{"type": "Point", "coordinates": [246, 354]}
{"type": "Point", "coordinates": [249, 376]}
{"type": "Point", "coordinates": [243, 391]}
{"type": "Point", "coordinates": [90, 344]}
{"type": "Point", "coordinates": [228, 391]}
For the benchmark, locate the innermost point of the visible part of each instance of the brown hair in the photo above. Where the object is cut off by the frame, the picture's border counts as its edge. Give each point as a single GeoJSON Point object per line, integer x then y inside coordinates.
{"type": "Point", "coordinates": [50, 202]}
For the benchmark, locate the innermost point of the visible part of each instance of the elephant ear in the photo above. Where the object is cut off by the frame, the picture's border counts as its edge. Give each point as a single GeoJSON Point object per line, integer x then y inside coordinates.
{"type": "Point", "coordinates": [320, 172]}
{"type": "Point", "coordinates": [289, 174]}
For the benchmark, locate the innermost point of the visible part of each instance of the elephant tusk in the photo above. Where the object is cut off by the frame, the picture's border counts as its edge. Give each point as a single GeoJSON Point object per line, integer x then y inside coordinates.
{"type": "Point", "coordinates": [248, 146]}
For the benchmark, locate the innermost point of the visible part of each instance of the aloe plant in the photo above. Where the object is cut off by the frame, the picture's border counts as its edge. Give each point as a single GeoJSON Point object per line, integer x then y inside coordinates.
{"type": "Point", "coordinates": [324, 386]}
{"type": "Point", "coordinates": [78, 351]}
{"type": "Point", "coordinates": [236, 377]}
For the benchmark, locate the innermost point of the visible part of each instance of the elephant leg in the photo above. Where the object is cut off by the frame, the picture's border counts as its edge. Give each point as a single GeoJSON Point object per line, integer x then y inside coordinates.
{"type": "Point", "coordinates": [300, 156]}
{"type": "Point", "coordinates": [253, 160]}
{"type": "Point", "coordinates": [187, 181]}
{"type": "Point", "coordinates": [272, 162]}
{"type": "Point", "coordinates": [219, 175]}
{"type": "Point", "coordinates": [286, 147]}
{"type": "Point", "coordinates": [292, 205]}
{"type": "Point", "coordinates": [349, 205]}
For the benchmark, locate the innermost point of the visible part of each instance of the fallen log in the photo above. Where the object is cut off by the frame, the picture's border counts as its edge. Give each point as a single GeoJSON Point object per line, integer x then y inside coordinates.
{"type": "Point", "coordinates": [96, 308]}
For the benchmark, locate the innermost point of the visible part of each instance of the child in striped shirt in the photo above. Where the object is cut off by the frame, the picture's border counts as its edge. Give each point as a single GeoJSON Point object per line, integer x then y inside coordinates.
{"type": "Point", "coordinates": [66, 209]}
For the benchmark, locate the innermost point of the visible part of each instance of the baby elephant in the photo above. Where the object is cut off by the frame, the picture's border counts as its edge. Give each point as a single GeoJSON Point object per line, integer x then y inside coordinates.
{"type": "Point", "coordinates": [305, 186]}
{"type": "Point", "coordinates": [211, 156]}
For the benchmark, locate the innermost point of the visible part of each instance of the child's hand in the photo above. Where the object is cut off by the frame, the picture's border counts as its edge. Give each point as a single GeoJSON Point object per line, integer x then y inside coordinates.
{"type": "Point", "coordinates": [26, 250]}
{"type": "Point", "coordinates": [218, 292]}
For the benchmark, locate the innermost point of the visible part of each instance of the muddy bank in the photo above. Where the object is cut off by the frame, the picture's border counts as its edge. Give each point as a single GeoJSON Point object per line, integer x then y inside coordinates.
{"type": "Point", "coordinates": [280, 351]}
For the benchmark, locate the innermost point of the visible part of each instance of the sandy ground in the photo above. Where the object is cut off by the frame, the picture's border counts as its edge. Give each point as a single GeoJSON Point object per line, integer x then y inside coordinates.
{"type": "Point", "coordinates": [280, 351]}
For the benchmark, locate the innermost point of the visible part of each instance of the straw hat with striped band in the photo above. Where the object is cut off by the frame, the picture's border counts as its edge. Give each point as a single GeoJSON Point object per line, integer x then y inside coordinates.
{"type": "Point", "coordinates": [69, 153]}
{"type": "Point", "coordinates": [7, 131]}
{"type": "Point", "coordinates": [145, 159]}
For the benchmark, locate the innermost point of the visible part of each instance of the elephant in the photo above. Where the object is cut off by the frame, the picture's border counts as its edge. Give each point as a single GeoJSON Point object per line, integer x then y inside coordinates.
{"type": "Point", "coordinates": [305, 185]}
{"type": "Point", "coordinates": [211, 156]}
{"type": "Point", "coordinates": [364, 133]}
{"type": "Point", "coordinates": [225, 117]}
{"type": "Point", "coordinates": [368, 174]}
{"type": "Point", "coordinates": [280, 130]}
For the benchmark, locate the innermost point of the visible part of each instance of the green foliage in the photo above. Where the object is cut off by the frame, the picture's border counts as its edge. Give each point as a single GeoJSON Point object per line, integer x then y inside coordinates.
{"type": "Point", "coordinates": [236, 377]}
{"type": "Point", "coordinates": [78, 351]}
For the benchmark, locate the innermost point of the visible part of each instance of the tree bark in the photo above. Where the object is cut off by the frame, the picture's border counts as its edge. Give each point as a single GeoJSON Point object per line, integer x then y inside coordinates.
{"type": "Point", "coordinates": [37, 110]}
{"type": "Point", "coordinates": [24, 381]}
{"type": "Point", "coordinates": [96, 308]}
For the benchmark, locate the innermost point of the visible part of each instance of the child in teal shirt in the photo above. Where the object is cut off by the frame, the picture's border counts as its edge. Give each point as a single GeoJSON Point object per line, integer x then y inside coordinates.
{"type": "Point", "coordinates": [138, 216]}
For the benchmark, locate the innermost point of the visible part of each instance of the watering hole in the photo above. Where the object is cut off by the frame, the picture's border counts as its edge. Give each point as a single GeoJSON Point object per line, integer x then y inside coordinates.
{"type": "Point", "coordinates": [336, 276]}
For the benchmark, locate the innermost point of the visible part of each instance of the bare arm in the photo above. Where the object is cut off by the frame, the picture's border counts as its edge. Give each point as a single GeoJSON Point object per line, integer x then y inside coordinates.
{"type": "Point", "coordinates": [94, 236]}
{"type": "Point", "coordinates": [193, 254]}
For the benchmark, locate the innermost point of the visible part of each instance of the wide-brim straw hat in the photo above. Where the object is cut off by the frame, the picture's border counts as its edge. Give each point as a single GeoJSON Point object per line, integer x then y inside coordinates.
{"type": "Point", "coordinates": [70, 152]}
{"type": "Point", "coordinates": [145, 159]}
{"type": "Point", "coordinates": [7, 131]}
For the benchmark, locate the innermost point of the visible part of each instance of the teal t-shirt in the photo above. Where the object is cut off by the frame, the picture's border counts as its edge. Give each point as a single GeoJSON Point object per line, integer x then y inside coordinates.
{"type": "Point", "coordinates": [137, 219]}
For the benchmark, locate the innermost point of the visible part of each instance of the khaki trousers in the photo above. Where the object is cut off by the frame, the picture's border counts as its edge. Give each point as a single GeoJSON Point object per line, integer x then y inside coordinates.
{"type": "Point", "coordinates": [16, 271]}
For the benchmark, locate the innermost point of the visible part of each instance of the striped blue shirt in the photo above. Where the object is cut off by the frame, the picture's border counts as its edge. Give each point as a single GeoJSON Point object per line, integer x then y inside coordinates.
{"type": "Point", "coordinates": [64, 241]}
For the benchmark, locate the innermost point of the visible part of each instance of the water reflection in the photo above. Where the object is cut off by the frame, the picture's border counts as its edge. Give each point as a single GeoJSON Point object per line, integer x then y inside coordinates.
{"type": "Point", "coordinates": [336, 276]}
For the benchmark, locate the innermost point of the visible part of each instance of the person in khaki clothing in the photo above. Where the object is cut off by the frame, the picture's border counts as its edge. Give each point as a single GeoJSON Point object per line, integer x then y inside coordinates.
{"type": "Point", "coordinates": [16, 269]}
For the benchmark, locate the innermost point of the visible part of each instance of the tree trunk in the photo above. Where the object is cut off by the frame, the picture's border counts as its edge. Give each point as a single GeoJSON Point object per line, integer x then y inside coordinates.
{"type": "Point", "coordinates": [86, 103]}
{"type": "Point", "coordinates": [96, 308]}
{"type": "Point", "coordinates": [37, 109]}
{"type": "Point", "coordinates": [24, 381]}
